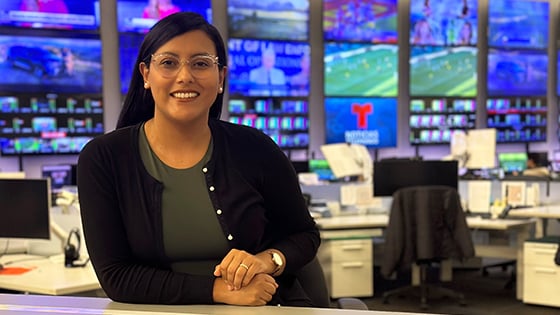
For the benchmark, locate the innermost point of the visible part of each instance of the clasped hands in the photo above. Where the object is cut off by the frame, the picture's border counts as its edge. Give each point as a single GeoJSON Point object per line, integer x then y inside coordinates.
{"type": "Point", "coordinates": [245, 278]}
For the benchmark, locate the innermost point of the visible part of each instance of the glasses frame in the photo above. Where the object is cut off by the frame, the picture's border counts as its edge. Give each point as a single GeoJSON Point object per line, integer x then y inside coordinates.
{"type": "Point", "coordinates": [182, 62]}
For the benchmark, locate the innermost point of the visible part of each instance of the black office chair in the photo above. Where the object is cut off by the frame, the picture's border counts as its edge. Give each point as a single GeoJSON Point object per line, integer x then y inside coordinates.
{"type": "Point", "coordinates": [312, 279]}
{"type": "Point", "coordinates": [427, 225]}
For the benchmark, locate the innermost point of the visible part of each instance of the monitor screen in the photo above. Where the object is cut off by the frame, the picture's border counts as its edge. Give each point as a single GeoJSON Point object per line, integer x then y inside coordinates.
{"type": "Point", "coordinates": [444, 23]}
{"type": "Point", "coordinates": [392, 175]}
{"type": "Point", "coordinates": [48, 123]}
{"type": "Point", "coordinates": [25, 208]}
{"type": "Point", "coordinates": [371, 122]}
{"type": "Point", "coordinates": [268, 68]}
{"type": "Point", "coordinates": [51, 14]}
{"type": "Point", "coordinates": [60, 175]}
{"type": "Point", "coordinates": [138, 16]}
{"type": "Point", "coordinates": [354, 69]}
{"type": "Point", "coordinates": [129, 45]}
{"type": "Point", "coordinates": [269, 19]}
{"type": "Point", "coordinates": [51, 64]}
{"type": "Point", "coordinates": [372, 21]}
{"type": "Point", "coordinates": [285, 120]}
{"type": "Point", "coordinates": [517, 72]}
{"type": "Point", "coordinates": [512, 161]}
{"type": "Point", "coordinates": [441, 71]}
{"type": "Point", "coordinates": [322, 169]}
{"type": "Point", "coordinates": [518, 24]}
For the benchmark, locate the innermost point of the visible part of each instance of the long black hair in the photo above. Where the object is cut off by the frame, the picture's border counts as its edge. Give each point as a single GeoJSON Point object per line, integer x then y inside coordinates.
{"type": "Point", "coordinates": [139, 103]}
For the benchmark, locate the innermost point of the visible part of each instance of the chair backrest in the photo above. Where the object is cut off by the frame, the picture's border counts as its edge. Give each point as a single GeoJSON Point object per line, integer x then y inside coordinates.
{"type": "Point", "coordinates": [312, 279]}
{"type": "Point", "coordinates": [425, 223]}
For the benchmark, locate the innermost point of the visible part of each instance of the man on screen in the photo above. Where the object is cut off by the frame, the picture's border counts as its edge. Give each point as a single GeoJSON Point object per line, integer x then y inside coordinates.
{"type": "Point", "coordinates": [267, 79]}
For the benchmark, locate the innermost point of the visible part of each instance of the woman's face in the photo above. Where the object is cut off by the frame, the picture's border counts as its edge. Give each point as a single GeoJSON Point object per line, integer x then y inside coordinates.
{"type": "Point", "coordinates": [184, 97]}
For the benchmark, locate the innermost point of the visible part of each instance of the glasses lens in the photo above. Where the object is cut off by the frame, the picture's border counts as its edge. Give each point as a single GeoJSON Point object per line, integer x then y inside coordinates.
{"type": "Point", "coordinates": [199, 66]}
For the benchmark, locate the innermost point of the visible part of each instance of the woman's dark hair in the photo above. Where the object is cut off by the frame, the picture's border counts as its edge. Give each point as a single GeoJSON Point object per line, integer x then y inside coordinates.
{"type": "Point", "coordinates": [139, 104]}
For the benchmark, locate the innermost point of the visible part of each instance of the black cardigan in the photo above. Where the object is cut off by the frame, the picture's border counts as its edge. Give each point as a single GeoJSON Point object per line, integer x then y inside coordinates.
{"type": "Point", "coordinates": [250, 180]}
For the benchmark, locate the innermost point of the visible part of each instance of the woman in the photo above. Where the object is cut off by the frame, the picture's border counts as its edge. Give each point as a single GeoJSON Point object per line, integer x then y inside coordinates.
{"type": "Point", "coordinates": [179, 207]}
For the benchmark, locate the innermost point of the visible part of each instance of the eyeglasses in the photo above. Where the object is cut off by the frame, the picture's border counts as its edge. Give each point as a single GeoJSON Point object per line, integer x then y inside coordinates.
{"type": "Point", "coordinates": [200, 66]}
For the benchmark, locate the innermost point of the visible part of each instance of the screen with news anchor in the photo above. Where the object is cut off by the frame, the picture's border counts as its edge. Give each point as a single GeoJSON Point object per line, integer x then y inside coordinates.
{"type": "Point", "coordinates": [371, 122]}
{"type": "Point", "coordinates": [268, 68]}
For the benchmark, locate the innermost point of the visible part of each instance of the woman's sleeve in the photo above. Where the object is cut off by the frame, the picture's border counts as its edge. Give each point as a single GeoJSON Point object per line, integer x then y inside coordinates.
{"type": "Point", "coordinates": [293, 229]}
{"type": "Point", "coordinates": [122, 275]}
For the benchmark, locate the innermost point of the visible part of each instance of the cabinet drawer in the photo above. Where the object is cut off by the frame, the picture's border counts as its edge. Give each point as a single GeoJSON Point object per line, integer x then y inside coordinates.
{"type": "Point", "coordinates": [541, 285]}
{"type": "Point", "coordinates": [352, 279]}
{"type": "Point", "coordinates": [350, 250]}
{"type": "Point", "coordinates": [539, 254]}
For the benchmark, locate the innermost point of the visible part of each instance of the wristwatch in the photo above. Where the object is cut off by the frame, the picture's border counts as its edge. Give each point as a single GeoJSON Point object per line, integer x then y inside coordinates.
{"type": "Point", "coordinates": [277, 260]}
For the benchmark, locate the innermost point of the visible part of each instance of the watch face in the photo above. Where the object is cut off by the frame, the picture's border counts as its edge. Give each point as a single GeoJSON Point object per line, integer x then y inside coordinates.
{"type": "Point", "coordinates": [277, 259]}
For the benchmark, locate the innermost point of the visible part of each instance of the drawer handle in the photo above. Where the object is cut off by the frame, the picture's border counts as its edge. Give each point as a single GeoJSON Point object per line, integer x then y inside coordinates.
{"type": "Point", "coordinates": [546, 271]}
{"type": "Point", "coordinates": [352, 265]}
{"type": "Point", "coordinates": [352, 247]}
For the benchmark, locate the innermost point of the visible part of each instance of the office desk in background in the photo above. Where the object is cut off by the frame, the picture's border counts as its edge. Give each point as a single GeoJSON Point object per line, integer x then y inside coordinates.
{"type": "Point", "coordinates": [59, 305]}
{"type": "Point", "coordinates": [48, 276]}
{"type": "Point", "coordinates": [541, 214]}
{"type": "Point", "coordinates": [367, 226]}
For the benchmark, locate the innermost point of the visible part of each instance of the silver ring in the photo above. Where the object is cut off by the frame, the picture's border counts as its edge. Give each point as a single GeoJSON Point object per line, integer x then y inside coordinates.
{"type": "Point", "coordinates": [244, 266]}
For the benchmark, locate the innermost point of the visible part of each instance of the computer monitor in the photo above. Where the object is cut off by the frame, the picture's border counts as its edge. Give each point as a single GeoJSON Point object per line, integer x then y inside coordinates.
{"type": "Point", "coordinates": [540, 159]}
{"type": "Point", "coordinates": [322, 168]}
{"type": "Point", "coordinates": [392, 175]}
{"type": "Point", "coordinates": [60, 174]}
{"type": "Point", "coordinates": [24, 208]}
{"type": "Point", "coordinates": [511, 162]}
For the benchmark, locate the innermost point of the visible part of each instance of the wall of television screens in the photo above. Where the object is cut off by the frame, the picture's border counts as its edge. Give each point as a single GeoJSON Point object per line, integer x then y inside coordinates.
{"type": "Point", "coordinates": [50, 56]}
{"type": "Point", "coordinates": [269, 68]}
{"type": "Point", "coordinates": [361, 72]}
{"type": "Point", "coordinates": [443, 69]}
{"type": "Point", "coordinates": [518, 69]}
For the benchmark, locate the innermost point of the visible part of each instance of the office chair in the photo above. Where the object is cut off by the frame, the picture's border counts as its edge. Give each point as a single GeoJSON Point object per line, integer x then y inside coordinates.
{"type": "Point", "coordinates": [312, 279]}
{"type": "Point", "coordinates": [427, 226]}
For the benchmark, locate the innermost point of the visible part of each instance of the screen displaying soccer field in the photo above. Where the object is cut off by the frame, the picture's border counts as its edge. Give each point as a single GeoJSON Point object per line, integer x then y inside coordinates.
{"type": "Point", "coordinates": [353, 69]}
{"type": "Point", "coordinates": [440, 71]}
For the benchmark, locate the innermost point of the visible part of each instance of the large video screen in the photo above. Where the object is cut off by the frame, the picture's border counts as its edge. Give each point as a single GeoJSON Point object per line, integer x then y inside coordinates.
{"type": "Point", "coordinates": [129, 45]}
{"type": "Point", "coordinates": [354, 69]}
{"type": "Point", "coordinates": [139, 16]}
{"type": "Point", "coordinates": [268, 68]}
{"type": "Point", "coordinates": [517, 72]}
{"type": "Point", "coordinates": [518, 24]}
{"type": "Point", "coordinates": [443, 71]}
{"type": "Point", "coordinates": [373, 21]}
{"type": "Point", "coordinates": [32, 124]}
{"type": "Point", "coordinates": [50, 64]}
{"type": "Point", "coordinates": [444, 22]}
{"type": "Point", "coordinates": [368, 121]}
{"type": "Point", "coordinates": [50, 14]}
{"type": "Point", "coordinates": [269, 19]}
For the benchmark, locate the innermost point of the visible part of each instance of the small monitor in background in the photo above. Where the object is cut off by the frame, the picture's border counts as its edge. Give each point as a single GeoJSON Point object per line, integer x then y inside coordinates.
{"type": "Point", "coordinates": [392, 175]}
{"type": "Point", "coordinates": [512, 162]}
{"type": "Point", "coordinates": [60, 174]}
{"type": "Point", "coordinates": [322, 169]}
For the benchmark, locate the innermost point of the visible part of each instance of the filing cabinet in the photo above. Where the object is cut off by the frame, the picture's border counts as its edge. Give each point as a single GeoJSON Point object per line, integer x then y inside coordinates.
{"type": "Point", "coordinates": [348, 266]}
{"type": "Point", "coordinates": [541, 275]}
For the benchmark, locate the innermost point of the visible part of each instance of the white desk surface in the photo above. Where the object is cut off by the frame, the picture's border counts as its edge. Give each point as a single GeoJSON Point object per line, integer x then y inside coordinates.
{"type": "Point", "coordinates": [546, 211]}
{"type": "Point", "coordinates": [48, 276]}
{"type": "Point", "coordinates": [58, 305]}
{"type": "Point", "coordinates": [381, 221]}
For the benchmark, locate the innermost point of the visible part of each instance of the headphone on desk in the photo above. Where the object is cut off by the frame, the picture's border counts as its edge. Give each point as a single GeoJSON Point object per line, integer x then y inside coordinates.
{"type": "Point", "coordinates": [71, 251]}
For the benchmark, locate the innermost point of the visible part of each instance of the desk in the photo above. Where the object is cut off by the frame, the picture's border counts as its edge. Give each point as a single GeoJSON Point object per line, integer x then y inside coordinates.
{"type": "Point", "coordinates": [541, 214]}
{"type": "Point", "coordinates": [374, 223]}
{"type": "Point", "coordinates": [48, 276]}
{"type": "Point", "coordinates": [59, 305]}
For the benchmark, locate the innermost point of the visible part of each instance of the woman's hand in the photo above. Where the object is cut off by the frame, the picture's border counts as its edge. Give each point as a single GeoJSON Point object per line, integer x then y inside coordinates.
{"type": "Point", "coordinates": [239, 268]}
{"type": "Point", "coordinates": [258, 292]}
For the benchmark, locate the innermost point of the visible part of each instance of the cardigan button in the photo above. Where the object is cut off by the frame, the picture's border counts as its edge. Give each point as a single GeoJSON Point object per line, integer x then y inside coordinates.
{"type": "Point", "coordinates": [212, 188]}
{"type": "Point", "coordinates": [230, 237]}
{"type": "Point", "coordinates": [205, 170]}
{"type": "Point", "coordinates": [219, 211]}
